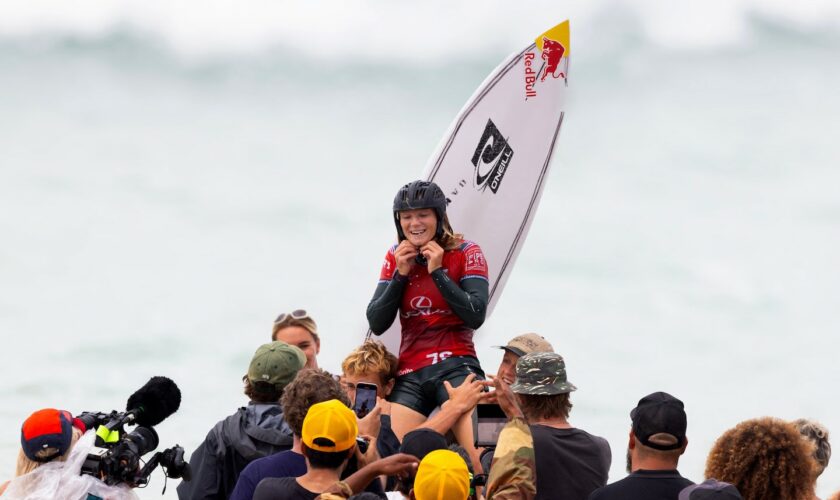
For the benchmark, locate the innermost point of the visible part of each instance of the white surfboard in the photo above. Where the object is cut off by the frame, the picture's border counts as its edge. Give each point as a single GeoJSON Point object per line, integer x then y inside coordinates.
{"type": "Point", "coordinates": [493, 161]}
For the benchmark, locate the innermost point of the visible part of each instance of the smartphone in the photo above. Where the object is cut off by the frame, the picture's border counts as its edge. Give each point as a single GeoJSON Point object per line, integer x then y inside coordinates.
{"type": "Point", "coordinates": [365, 399]}
{"type": "Point", "coordinates": [490, 420]}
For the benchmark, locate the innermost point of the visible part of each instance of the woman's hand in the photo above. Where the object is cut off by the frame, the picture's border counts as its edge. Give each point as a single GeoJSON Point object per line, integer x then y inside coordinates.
{"type": "Point", "coordinates": [404, 255]}
{"type": "Point", "coordinates": [434, 255]}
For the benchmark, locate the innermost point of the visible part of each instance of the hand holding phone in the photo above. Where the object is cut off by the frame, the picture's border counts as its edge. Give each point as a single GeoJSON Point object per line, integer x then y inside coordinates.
{"type": "Point", "coordinates": [365, 399]}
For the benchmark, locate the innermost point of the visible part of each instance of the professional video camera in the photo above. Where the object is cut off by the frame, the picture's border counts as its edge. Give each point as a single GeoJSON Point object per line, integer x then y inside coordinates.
{"type": "Point", "coordinates": [116, 456]}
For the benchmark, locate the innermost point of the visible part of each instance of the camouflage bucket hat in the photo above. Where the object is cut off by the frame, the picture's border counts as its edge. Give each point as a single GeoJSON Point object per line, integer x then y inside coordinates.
{"type": "Point", "coordinates": [541, 374]}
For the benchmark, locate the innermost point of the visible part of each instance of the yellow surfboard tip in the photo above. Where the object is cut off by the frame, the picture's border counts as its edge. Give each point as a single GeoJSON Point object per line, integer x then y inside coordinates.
{"type": "Point", "coordinates": [558, 34]}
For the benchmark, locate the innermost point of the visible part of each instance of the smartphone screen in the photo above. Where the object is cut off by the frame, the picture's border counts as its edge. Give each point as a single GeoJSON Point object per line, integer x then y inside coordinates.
{"type": "Point", "coordinates": [491, 419]}
{"type": "Point", "coordinates": [365, 399]}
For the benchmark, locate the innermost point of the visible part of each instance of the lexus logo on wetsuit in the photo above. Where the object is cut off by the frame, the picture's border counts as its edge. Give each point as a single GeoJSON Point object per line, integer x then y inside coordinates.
{"type": "Point", "coordinates": [491, 158]}
{"type": "Point", "coordinates": [421, 304]}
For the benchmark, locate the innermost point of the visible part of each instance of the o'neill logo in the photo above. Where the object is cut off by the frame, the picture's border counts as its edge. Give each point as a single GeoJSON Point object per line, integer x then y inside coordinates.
{"type": "Point", "coordinates": [491, 158]}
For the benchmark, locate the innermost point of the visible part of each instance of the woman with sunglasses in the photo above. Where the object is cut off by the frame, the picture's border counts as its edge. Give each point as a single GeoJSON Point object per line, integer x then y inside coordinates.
{"type": "Point", "coordinates": [437, 281]}
{"type": "Point", "coordinates": [297, 328]}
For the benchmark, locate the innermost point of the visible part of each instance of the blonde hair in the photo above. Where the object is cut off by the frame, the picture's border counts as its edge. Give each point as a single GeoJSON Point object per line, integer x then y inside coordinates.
{"type": "Point", "coordinates": [306, 323]}
{"type": "Point", "coordinates": [371, 357]}
{"type": "Point", "coordinates": [25, 465]}
{"type": "Point", "coordinates": [450, 239]}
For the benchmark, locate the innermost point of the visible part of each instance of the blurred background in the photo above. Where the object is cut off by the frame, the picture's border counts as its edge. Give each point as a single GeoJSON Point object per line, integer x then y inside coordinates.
{"type": "Point", "coordinates": [175, 174]}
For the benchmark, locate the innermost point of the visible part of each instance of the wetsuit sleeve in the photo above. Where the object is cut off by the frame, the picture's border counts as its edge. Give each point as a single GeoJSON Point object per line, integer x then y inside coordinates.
{"type": "Point", "coordinates": [385, 303]}
{"type": "Point", "coordinates": [468, 301]}
{"type": "Point", "coordinates": [382, 309]}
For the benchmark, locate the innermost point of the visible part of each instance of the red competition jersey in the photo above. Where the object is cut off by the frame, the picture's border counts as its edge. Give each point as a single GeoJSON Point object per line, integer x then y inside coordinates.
{"type": "Point", "coordinates": [431, 332]}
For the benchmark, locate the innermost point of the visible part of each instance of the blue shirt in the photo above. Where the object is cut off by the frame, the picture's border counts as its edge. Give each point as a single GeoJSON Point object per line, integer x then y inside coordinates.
{"type": "Point", "coordinates": [283, 464]}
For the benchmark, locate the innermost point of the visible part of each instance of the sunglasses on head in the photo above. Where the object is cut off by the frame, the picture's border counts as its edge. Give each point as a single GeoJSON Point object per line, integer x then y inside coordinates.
{"type": "Point", "coordinates": [296, 314]}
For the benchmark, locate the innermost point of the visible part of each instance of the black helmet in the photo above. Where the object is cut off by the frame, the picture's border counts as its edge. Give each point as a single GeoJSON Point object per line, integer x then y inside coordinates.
{"type": "Point", "coordinates": [420, 194]}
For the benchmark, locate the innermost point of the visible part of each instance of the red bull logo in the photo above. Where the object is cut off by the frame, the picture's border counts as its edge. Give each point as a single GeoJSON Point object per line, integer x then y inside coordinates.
{"type": "Point", "coordinates": [553, 46]}
{"type": "Point", "coordinates": [552, 53]}
{"type": "Point", "coordinates": [530, 75]}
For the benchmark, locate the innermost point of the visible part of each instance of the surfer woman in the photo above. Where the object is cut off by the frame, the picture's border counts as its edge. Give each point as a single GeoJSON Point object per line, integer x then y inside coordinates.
{"type": "Point", "coordinates": [437, 281]}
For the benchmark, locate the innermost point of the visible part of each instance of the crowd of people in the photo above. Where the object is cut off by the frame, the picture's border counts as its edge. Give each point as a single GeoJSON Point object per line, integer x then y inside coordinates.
{"type": "Point", "coordinates": [299, 438]}
{"type": "Point", "coordinates": [307, 433]}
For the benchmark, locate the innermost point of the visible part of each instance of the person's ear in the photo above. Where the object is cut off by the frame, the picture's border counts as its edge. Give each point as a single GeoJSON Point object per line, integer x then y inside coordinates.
{"type": "Point", "coordinates": [684, 446]}
{"type": "Point", "coordinates": [631, 444]}
{"type": "Point", "coordinates": [387, 388]}
{"type": "Point", "coordinates": [411, 494]}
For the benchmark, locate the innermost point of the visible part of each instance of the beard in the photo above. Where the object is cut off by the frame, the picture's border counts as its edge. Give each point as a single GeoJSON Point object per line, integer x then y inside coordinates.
{"type": "Point", "coordinates": [629, 462]}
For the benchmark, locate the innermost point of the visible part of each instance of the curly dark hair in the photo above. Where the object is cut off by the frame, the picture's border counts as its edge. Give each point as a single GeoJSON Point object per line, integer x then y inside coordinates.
{"type": "Point", "coordinates": [310, 386]}
{"type": "Point", "coordinates": [766, 459]}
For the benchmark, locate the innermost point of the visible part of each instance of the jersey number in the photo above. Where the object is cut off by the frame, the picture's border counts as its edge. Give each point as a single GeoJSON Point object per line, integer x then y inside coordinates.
{"type": "Point", "coordinates": [437, 357]}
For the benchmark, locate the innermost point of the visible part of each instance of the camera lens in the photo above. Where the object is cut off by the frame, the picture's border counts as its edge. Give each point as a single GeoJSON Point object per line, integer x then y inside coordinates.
{"type": "Point", "coordinates": [144, 438]}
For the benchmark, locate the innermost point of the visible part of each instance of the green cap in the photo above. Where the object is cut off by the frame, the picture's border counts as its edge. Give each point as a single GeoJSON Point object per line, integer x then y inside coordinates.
{"type": "Point", "coordinates": [276, 363]}
{"type": "Point", "coordinates": [541, 374]}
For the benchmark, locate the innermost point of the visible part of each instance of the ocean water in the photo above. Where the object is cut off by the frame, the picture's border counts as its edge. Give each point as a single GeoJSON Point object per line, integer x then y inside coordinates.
{"type": "Point", "coordinates": [174, 176]}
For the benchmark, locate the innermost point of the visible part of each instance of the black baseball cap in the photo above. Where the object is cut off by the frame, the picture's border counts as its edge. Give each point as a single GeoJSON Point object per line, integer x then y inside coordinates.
{"type": "Point", "coordinates": [421, 442]}
{"type": "Point", "coordinates": [659, 413]}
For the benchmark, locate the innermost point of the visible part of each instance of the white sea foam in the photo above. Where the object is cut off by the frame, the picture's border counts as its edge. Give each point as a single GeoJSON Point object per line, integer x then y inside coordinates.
{"type": "Point", "coordinates": [417, 32]}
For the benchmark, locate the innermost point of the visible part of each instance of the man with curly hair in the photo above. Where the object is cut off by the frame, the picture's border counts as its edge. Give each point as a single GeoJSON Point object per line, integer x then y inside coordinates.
{"type": "Point", "coordinates": [766, 459]}
{"type": "Point", "coordinates": [371, 363]}
{"type": "Point", "coordinates": [657, 441]}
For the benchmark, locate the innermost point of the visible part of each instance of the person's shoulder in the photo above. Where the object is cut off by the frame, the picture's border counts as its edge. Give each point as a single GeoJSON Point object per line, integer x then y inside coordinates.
{"type": "Point", "coordinates": [592, 437]}
{"type": "Point", "coordinates": [613, 490]}
{"type": "Point", "coordinates": [574, 433]}
{"type": "Point", "coordinates": [468, 245]}
{"type": "Point", "coordinates": [274, 485]}
{"type": "Point", "coordinates": [255, 468]}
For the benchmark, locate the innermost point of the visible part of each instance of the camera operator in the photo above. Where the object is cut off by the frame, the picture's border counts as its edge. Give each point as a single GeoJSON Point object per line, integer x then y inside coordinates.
{"type": "Point", "coordinates": [253, 432]}
{"type": "Point", "coordinates": [53, 447]}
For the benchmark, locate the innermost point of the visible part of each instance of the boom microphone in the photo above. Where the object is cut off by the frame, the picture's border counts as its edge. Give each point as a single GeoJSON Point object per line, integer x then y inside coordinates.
{"type": "Point", "coordinates": [154, 402]}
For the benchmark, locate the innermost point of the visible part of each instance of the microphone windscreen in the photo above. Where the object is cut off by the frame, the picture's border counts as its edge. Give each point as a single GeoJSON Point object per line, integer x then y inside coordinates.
{"type": "Point", "coordinates": [155, 401]}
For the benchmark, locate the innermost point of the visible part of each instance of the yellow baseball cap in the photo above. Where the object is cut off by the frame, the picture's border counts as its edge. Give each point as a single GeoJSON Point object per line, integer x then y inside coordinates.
{"type": "Point", "coordinates": [330, 420]}
{"type": "Point", "coordinates": [442, 475]}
